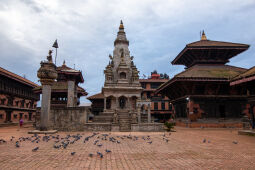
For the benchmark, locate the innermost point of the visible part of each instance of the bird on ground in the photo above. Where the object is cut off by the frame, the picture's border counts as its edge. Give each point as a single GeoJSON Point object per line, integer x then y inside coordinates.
{"type": "Point", "coordinates": [91, 155]}
{"type": "Point", "coordinates": [235, 142]}
{"type": "Point", "coordinates": [107, 151]}
{"type": "Point", "coordinates": [35, 149]}
{"type": "Point", "coordinates": [99, 145]}
{"type": "Point", "coordinates": [72, 153]}
{"type": "Point", "coordinates": [100, 154]}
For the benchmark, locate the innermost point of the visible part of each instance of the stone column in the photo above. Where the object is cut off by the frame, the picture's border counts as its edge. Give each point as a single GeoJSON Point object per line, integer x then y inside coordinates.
{"type": "Point", "coordinates": [117, 105]}
{"type": "Point", "coordinates": [144, 110]}
{"type": "Point", "coordinates": [70, 93]}
{"type": "Point", "coordinates": [129, 104]}
{"type": "Point", "coordinates": [139, 113]}
{"type": "Point", "coordinates": [104, 103]}
{"type": "Point", "coordinates": [149, 113]}
{"type": "Point", "coordinates": [47, 74]}
{"type": "Point", "coordinates": [45, 106]}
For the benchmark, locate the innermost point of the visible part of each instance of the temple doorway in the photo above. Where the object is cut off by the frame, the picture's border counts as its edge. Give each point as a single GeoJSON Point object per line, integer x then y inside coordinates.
{"type": "Point", "coordinates": [122, 102]}
{"type": "Point", "coordinates": [8, 116]}
{"type": "Point", "coordinates": [30, 116]}
{"type": "Point", "coordinates": [222, 111]}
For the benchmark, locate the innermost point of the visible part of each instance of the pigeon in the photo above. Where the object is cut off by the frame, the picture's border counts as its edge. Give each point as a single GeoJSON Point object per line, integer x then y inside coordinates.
{"type": "Point", "coordinates": [72, 153]}
{"type": "Point", "coordinates": [35, 149]}
{"type": "Point", "coordinates": [99, 145]}
{"type": "Point", "coordinates": [150, 142]}
{"type": "Point", "coordinates": [235, 142]}
{"type": "Point", "coordinates": [100, 154]}
{"type": "Point", "coordinates": [91, 155]}
{"type": "Point", "coordinates": [204, 140]}
{"type": "Point", "coordinates": [107, 151]}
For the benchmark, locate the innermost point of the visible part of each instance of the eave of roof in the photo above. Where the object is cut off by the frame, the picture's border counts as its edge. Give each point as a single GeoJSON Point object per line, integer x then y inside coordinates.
{"type": "Point", "coordinates": [209, 44]}
{"type": "Point", "coordinates": [16, 77]}
{"type": "Point", "coordinates": [96, 96]}
{"type": "Point", "coordinates": [153, 80]}
{"type": "Point", "coordinates": [215, 74]}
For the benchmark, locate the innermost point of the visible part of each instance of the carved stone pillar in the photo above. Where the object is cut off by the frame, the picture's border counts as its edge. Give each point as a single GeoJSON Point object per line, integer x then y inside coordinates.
{"type": "Point", "coordinates": [47, 74]}
{"type": "Point", "coordinates": [139, 113]}
{"type": "Point", "coordinates": [104, 103]}
{"type": "Point", "coordinates": [149, 113]}
{"type": "Point", "coordinates": [70, 93]}
{"type": "Point", "coordinates": [117, 103]}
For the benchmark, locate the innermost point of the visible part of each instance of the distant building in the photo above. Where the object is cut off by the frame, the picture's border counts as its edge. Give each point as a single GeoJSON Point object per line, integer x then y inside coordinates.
{"type": "Point", "coordinates": [245, 82]}
{"type": "Point", "coordinates": [59, 92]}
{"type": "Point", "coordinates": [17, 99]}
{"type": "Point", "coordinates": [161, 108]}
{"type": "Point", "coordinates": [202, 91]}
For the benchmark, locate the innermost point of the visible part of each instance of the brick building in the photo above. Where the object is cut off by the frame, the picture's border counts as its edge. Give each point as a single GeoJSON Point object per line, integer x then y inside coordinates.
{"type": "Point", "coordinates": [17, 99]}
{"type": "Point", "coordinates": [161, 108]}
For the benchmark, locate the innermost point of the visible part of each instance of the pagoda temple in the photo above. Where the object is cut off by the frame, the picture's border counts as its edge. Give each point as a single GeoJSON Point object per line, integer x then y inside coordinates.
{"type": "Point", "coordinates": [202, 91]}
{"type": "Point", "coordinates": [65, 91]}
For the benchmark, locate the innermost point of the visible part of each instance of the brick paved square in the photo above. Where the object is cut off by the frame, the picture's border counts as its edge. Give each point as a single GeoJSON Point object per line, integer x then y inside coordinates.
{"type": "Point", "coordinates": [184, 149]}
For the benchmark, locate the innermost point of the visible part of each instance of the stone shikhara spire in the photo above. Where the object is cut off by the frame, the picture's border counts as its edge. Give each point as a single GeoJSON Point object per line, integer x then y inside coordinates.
{"type": "Point", "coordinates": [121, 68]}
{"type": "Point", "coordinates": [121, 37]}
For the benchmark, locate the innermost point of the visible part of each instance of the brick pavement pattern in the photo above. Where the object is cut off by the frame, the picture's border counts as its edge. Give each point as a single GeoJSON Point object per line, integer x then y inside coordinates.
{"type": "Point", "coordinates": [184, 149]}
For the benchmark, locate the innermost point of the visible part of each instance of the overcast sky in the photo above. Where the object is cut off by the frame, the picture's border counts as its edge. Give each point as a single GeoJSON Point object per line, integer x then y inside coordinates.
{"type": "Point", "coordinates": [86, 29]}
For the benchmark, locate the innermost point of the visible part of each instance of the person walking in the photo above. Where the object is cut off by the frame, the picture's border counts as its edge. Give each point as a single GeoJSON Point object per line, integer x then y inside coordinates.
{"type": "Point", "coordinates": [20, 122]}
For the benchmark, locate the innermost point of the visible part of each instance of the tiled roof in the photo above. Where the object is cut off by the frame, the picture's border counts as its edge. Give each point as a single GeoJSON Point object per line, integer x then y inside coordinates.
{"type": "Point", "coordinates": [16, 77]}
{"type": "Point", "coordinates": [250, 72]}
{"type": "Point", "coordinates": [61, 86]}
{"type": "Point", "coordinates": [96, 96]}
{"type": "Point", "coordinates": [210, 43]}
{"type": "Point", "coordinates": [205, 72]}
{"type": "Point", "coordinates": [153, 80]}
{"type": "Point", "coordinates": [248, 75]}
{"type": "Point", "coordinates": [211, 71]}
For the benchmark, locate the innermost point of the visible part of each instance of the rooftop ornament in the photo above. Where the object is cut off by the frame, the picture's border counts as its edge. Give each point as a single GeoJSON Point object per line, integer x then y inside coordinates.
{"type": "Point", "coordinates": [55, 45]}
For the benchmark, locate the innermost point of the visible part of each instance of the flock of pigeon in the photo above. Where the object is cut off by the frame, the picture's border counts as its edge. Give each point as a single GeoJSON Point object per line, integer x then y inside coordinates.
{"type": "Point", "coordinates": [68, 140]}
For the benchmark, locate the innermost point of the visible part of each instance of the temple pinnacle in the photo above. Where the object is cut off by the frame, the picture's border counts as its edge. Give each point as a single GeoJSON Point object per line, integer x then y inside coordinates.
{"type": "Point", "coordinates": [203, 36]}
{"type": "Point", "coordinates": [121, 25]}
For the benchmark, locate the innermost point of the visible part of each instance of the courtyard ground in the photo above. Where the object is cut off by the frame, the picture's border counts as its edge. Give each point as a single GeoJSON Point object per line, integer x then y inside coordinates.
{"type": "Point", "coordinates": [185, 149]}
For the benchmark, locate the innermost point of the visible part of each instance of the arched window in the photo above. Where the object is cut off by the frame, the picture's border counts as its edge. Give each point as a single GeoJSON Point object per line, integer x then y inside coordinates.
{"type": "Point", "coordinates": [122, 75]}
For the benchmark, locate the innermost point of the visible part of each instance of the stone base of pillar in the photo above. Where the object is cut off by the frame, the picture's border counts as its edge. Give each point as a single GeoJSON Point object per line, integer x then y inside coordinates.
{"type": "Point", "coordinates": [42, 132]}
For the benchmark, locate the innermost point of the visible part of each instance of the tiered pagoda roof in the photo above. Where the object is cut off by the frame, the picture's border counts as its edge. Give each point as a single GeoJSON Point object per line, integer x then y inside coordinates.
{"type": "Point", "coordinates": [205, 61]}
{"type": "Point", "coordinates": [208, 52]}
{"type": "Point", "coordinates": [69, 72]}
{"type": "Point", "coordinates": [65, 73]}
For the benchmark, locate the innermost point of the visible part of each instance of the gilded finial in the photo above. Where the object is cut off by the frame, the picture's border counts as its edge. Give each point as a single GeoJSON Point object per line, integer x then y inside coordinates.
{"type": "Point", "coordinates": [203, 36]}
{"type": "Point", "coordinates": [64, 62]}
{"type": "Point", "coordinates": [121, 25]}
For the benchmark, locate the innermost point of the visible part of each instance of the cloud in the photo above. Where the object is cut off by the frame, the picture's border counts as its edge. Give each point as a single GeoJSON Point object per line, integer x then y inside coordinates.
{"type": "Point", "coordinates": [157, 30]}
